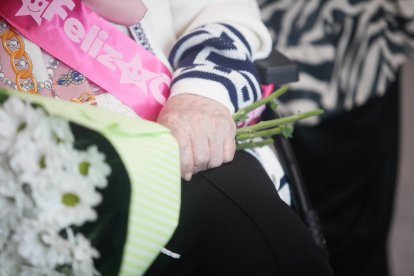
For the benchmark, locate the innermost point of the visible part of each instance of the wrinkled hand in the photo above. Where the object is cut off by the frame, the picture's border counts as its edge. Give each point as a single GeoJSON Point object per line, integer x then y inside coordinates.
{"type": "Point", "coordinates": [204, 129]}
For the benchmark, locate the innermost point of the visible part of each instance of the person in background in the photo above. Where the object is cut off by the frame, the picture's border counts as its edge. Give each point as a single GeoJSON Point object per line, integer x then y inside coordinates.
{"type": "Point", "coordinates": [349, 55]}
{"type": "Point", "coordinates": [232, 221]}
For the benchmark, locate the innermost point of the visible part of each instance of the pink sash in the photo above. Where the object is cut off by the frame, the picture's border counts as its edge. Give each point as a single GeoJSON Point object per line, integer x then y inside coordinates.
{"type": "Point", "coordinates": [83, 40]}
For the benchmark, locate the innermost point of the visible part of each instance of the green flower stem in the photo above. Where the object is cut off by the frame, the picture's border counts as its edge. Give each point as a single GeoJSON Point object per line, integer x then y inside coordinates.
{"type": "Point", "coordinates": [254, 144]}
{"type": "Point", "coordinates": [277, 122]}
{"type": "Point", "coordinates": [261, 133]}
{"type": "Point", "coordinates": [241, 113]}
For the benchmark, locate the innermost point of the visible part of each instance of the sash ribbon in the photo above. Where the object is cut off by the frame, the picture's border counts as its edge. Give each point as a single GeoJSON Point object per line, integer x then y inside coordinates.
{"type": "Point", "coordinates": [71, 32]}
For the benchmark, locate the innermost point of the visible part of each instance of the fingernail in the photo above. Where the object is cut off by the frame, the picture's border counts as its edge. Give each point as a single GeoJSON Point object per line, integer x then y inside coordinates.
{"type": "Point", "coordinates": [188, 176]}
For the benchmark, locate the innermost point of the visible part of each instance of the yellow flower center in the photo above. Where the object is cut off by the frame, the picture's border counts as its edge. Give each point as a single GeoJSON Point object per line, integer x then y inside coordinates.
{"type": "Point", "coordinates": [21, 126]}
{"type": "Point", "coordinates": [42, 162]}
{"type": "Point", "coordinates": [84, 168]}
{"type": "Point", "coordinates": [70, 199]}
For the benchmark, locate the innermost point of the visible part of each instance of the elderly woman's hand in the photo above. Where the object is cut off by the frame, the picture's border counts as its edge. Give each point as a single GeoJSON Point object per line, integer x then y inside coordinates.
{"type": "Point", "coordinates": [204, 129]}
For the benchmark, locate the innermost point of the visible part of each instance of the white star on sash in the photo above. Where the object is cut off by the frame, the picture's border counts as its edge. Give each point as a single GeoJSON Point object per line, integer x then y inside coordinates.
{"type": "Point", "coordinates": [134, 73]}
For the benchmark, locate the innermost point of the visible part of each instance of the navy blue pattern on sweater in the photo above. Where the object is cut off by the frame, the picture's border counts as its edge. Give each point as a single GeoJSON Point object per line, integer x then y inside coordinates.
{"type": "Point", "coordinates": [220, 57]}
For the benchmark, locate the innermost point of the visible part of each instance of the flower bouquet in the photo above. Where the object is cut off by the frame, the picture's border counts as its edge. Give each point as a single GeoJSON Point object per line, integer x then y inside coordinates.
{"type": "Point", "coordinates": [37, 211]}
{"type": "Point", "coordinates": [74, 200]}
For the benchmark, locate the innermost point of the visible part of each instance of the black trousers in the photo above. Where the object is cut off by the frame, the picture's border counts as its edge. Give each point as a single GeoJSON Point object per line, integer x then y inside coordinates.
{"type": "Point", "coordinates": [349, 163]}
{"type": "Point", "coordinates": [232, 222]}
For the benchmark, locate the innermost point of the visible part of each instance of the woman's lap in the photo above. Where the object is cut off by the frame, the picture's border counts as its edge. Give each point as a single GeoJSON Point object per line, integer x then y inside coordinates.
{"type": "Point", "coordinates": [232, 222]}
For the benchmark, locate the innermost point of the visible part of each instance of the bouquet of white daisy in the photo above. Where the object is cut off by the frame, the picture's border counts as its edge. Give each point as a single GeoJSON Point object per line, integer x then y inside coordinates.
{"type": "Point", "coordinates": [48, 186]}
{"type": "Point", "coordinates": [67, 195]}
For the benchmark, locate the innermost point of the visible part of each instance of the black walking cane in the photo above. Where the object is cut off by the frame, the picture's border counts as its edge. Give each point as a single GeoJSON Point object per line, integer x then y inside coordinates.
{"type": "Point", "coordinates": [279, 70]}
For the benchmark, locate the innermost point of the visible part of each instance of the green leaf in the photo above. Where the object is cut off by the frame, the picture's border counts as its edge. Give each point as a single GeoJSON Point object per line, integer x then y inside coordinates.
{"type": "Point", "coordinates": [3, 95]}
{"type": "Point", "coordinates": [272, 105]}
{"type": "Point", "coordinates": [287, 132]}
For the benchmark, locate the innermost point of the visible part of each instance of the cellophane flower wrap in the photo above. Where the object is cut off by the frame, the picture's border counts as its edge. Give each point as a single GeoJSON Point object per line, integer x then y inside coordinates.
{"type": "Point", "coordinates": [66, 194]}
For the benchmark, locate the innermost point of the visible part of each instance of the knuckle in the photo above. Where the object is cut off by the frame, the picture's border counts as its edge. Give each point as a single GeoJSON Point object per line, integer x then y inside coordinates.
{"type": "Point", "coordinates": [201, 160]}
{"type": "Point", "coordinates": [183, 144]}
{"type": "Point", "coordinates": [228, 158]}
{"type": "Point", "coordinates": [229, 152]}
{"type": "Point", "coordinates": [214, 163]}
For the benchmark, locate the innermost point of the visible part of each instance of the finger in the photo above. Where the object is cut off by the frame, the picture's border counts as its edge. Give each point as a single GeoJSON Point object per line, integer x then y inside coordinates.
{"type": "Point", "coordinates": [216, 145]}
{"type": "Point", "coordinates": [229, 145]}
{"type": "Point", "coordinates": [186, 163]}
{"type": "Point", "coordinates": [229, 150]}
{"type": "Point", "coordinates": [200, 151]}
{"type": "Point", "coordinates": [186, 155]}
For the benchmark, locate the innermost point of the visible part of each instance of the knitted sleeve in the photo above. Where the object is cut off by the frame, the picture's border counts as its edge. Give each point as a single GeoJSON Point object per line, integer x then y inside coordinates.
{"type": "Point", "coordinates": [215, 61]}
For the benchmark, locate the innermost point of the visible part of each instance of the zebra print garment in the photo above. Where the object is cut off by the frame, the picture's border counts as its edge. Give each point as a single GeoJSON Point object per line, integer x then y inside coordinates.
{"type": "Point", "coordinates": [348, 51]}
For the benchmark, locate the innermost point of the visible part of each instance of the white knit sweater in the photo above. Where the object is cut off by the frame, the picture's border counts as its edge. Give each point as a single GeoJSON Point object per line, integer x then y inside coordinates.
{"type": "Point", "coordinates": [169, 20]}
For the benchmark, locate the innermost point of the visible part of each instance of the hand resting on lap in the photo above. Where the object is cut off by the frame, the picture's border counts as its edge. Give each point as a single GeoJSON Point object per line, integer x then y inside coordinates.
{"type": "Point", "coordinates": [204, 129]}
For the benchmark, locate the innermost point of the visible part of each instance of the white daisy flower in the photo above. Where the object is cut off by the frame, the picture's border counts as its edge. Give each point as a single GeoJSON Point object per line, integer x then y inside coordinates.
{"type": "Point", "coordinates": [10, 261]}
{"type": "Point", "coordinates": [26, 206]}
{"type": "Point", "coordinates": [39, 245]}
{"type": "Point", "coordinates": [48, 132]}
{"type": "Point", "coordinates": [68, 202]}
{"type": "Point", "coordinates": [61, 131]}
{"type": "Point", "coordinates": [40, 134]}
{"type": "Point", "coordinates": [8, 180]}
{"type": "Point", "coordinates": [29, 160]}
{"type": "Point", "coordinates": [14, 200]}
{"type": "Point", "coordinates": [83, 254]}
{"type": "Point", "coordinates": [41, 165]}
{"type": "Point", "coordinates": [92, 166]}
{"type": "Point", "coordinates": [35, 271]}
{"type": "Point", "coordinates": [31, 146]}
{"type": "Point", "coordinates": [16, 116]}
{"type": "Point", "coordinates": [63, 158]}
{"type": "Point", "coordinates": [10, 123]}
{"type": "Point", "coordinates": [9, 218]}
{"type": "Point", "coordinates": [5, 232]}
